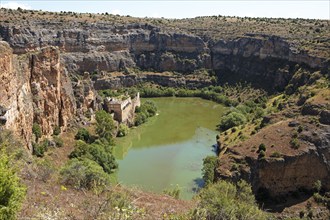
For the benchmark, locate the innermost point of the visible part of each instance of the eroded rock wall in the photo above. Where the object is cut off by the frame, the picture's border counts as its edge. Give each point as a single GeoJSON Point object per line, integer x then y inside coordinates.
{"type": "Point", "coordinates": [16, 96]}
{"type": "Point", "coordinates": [34, 90]}
{"type": "Point", "coordinates": [265, 60]}
{"type": "Point", "coordinates": [54, 103]}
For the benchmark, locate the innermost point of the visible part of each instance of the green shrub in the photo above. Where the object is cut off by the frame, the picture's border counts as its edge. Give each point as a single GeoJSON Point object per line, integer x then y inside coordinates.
{"type": "Point", "coordinates": [149, 108]}
{"type": "Point", "coordinates": [224, 200]}
{"type": "Point", "coordinates": [98, 152]}
{"type": "Point", "coordinates": [295, 134]}
{"type": "Point", "coordinates": [84, 173]}
{"type": "Point", "coordinates": [102, 154]}
{"type": "Point", "coordinates": [44, 169]}
{"type": "Point", "coordinates": [146, 110]}
{"type": "Point", "coordinates": [209, 165]}
{"type": "Point", "coordinates": [57, 130]}
{"type": "Point", "coordinates": [140, 118]}
{"type": "Point", "coordinates": [12, 192]}
{"type": "Point", "coordinates": [276, 154]}
{"type": "Point", "coordinates": [36, 130]}
{"type": "Point", "coordinates": [262, 147]}
{"type": "Point", "coordinates": [123, 130]}
{"type": "Point", "coordinates": [39, 149]}
{"type": "Point", "coordinates": [261, 155]}
{"type": "Point", "coordinates": [231, 120]}
{"type": "Point", "coordinates": [105, 126]}
{"type": "Point", "coordinates": [294, 143]}
{"type": "Point", "coordinates": [83, 134]}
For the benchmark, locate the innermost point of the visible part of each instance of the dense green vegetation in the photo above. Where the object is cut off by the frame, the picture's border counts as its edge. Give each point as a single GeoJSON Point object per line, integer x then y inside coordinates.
{"type": "Point", "coordinates": [98, 152]}
{"type": "Point", "coordinates": [36, 130]}
{"type": "Point", "coordinates": [123, 130]}
{"type": "Point", "coordinates": [84, 173]}
{"type": "Point", "coordinates": [210, 163]}
{"type": "Point", "coordinates": [105, 127]}
{"type": "Point", "coordinates": [232, 119]}
{"type": "Point", "coordinates": [146, 110]}
{"type": "Point", "coordinates": [224, 200]}
{"type": "Point", "coordinates": [250, 99]}
{"type": "Point", "coordinates": [92, 159]}
{"type": "Point", "coordinates": [12, 192]}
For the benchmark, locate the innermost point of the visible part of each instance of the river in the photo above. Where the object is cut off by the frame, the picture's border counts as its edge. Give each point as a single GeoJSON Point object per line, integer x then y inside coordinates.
{"type": "Point", "coordinates": [168, 150]}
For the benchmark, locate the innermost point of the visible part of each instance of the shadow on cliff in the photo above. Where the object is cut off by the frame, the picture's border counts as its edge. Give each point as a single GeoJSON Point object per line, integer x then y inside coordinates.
{"type": "Point", "coordinates": [280, 203]}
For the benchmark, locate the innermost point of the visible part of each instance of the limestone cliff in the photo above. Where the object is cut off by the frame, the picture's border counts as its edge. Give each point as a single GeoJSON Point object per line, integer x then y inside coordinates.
{"type": "Point", "coordinates": [266, 60]}
{"type": "Point", "coordinates": [16, 96]}
{"type": "Point", "coordinates": [34, 90]}
{"type": "Point", "coordinates": [287, 171]}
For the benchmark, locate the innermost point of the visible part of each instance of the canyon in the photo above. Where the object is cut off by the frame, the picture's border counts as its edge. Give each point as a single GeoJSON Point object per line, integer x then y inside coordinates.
{"type": "Point", "coordinates": [51, 71]}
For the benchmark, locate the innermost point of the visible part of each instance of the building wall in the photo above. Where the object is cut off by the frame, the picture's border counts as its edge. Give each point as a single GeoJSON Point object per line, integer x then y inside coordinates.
{"type": "Point", "coordinates": [124, 111]}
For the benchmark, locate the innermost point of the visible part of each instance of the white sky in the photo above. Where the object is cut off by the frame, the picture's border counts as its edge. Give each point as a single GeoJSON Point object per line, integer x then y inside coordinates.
{"type": "Point", "coordinates": [319, 9]}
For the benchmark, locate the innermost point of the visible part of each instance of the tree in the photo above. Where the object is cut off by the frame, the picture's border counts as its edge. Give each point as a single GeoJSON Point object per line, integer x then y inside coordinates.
{"type": "Point", "coordinates": [12, 192]}
{"type": "Point", "coordinates": [231, 120]}
{"type": "Point", "coordinates": [105, 126]}
{"type": "Point", "coordinates": [209, 165]}
{"type": "Point", "coordinates": [98, 152]}
{"type": "Point", "coordinates": [83, 134]}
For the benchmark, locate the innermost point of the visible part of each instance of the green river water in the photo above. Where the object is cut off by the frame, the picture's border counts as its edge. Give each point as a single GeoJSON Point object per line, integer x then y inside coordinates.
{"type": "Point", "coordinates": [168, 150]}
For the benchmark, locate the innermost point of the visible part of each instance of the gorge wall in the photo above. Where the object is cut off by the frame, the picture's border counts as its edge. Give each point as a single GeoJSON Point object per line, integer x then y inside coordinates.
{"type": "Point", "coordinates": [34, 90]}
{"type": "Point", "coordinates": [265, 60]}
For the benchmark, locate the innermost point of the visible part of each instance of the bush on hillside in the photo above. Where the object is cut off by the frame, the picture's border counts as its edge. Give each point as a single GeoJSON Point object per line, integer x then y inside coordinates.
{"type": "Point", "coordinates": [224, 200]}
{"type": "Point", "coordinates": [123, 130]}
{"type": "Point", "coordinates": [36, 130]}
{"type": "Point", "coordinates": [57, 130]}
{"type": "Point", "coordinates": [146, 110]}
{"type": "Point", "coordinates": [84, 173]}
{"type": "Point", "coordinates": [231, 120]}
{"type": "Point", "coordinates": [83, 134]}
{"type": "Point", "coordinates": [209, 166]}
{"type": "Point", "coordinates": [98, 152]}
{"type": "Point", "coordinates": [105, 126]}
{"type": "Point", "coordinates": [12, 192]}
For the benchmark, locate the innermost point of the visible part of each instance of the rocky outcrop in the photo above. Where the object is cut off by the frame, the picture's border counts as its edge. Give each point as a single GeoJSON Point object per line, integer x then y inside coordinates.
{"type": "Point", "coordinates": [117, 82]}
{"type": "Point", "coordinates": [16, 96]}
{"type": "Point", "coordinates": [34, 90]}
{"type": "Point", "coordinates": [286, 171]}
{"type": "Point", "coordinates": [268, 61]}
{"type": "Point", "coordinates": [85, 96]}
{"type": "Point", "coordinates": [289, 174]}
{"type": "Point", "coordinates": [54, 103]}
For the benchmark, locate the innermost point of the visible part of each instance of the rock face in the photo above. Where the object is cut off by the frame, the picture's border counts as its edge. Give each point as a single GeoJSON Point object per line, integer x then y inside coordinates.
{"type": "Point", "coordinates": [34, 90]}
{"type": "Point", "coordinates": [292, 170]}
{"type": "Point", "coordinates": [265, 60]}
{"type": "Point", "coordinates": [16, 96]}
{"type": "Point", "coordinates": [118, 82]}
{"type": "Point", "coordinates": [289, 174]}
